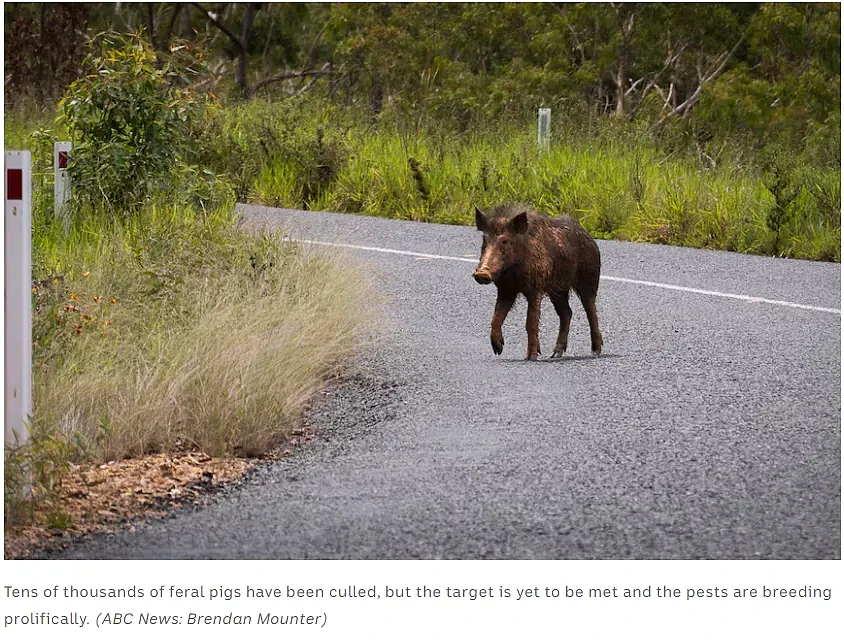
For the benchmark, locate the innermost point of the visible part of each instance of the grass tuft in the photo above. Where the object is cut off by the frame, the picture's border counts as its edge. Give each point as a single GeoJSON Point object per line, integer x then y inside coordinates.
{"type": "Point", "coordinates": [189, 340]}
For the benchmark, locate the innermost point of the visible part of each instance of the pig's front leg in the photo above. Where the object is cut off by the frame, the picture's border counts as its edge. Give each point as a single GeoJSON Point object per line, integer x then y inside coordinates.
{"type": "Point", "coordinates": [503, 304]}
{"type": "Point", "coordinates": [532, 325]}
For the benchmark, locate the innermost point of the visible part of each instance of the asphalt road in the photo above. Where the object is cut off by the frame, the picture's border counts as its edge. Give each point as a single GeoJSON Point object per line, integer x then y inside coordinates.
{"type": "Point", "coordinates": [709, 427]}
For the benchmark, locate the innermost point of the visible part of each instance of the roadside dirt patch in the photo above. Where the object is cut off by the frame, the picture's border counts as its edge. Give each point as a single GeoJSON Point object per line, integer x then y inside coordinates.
{"type": "Point", "coordinates": [99, 498]}
{"type": "Point", "coordinates": [106, 497]}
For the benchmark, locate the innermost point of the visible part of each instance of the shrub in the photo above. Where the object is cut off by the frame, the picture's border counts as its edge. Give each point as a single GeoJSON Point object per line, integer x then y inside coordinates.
{"type": "Point", "coordinates": [129, 120]}
{"type": "Point", "coordinates": [262, 146]}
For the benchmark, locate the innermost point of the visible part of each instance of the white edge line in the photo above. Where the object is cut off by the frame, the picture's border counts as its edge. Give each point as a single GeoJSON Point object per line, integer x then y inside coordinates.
{"type": "Point", "coordinates": [646, 283]}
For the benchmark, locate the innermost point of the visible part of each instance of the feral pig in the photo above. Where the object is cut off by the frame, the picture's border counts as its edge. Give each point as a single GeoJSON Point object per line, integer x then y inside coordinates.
{"type": "Point", "coordinates": [526, 252]}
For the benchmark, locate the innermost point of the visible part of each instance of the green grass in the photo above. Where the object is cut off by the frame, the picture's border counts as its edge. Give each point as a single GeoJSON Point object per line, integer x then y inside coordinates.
{"type": "Point", "coordinates": [21, 121]}
{"type": "Point", "coordinates": [619, 187]}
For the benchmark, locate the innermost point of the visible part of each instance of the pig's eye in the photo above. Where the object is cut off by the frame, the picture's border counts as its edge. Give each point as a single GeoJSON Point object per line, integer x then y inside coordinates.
{"type": "Point", "coordinates": [505, 242]}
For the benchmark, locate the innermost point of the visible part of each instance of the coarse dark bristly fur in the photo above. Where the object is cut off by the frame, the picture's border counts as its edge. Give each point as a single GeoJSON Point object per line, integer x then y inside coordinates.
{"type": "Point", "coordinates": [526, 252]}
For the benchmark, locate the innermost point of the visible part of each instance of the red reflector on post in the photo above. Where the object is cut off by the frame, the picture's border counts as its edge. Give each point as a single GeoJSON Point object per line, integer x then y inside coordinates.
{"type": "Point", "coordinates": [62, 160]}
{"type": "Point", "coordinates": [14, 184]}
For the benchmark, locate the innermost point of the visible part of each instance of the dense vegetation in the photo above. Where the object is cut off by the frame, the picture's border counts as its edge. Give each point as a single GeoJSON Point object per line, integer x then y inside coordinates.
{"type": "Point", "coordinates": [753, 69]}
{"type": "Point", "coordinates": [712, 125]}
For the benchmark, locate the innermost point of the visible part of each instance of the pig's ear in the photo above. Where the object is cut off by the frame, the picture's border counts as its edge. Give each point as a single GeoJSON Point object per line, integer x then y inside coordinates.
{"type": "Point", "coordinates": [519, 223]}
{"type": "Point", "coordinates": [480, 219]}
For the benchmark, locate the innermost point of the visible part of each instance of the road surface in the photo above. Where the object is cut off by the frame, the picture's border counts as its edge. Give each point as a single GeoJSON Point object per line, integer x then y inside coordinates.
{"type": "Point", "coordinates": [709, 427]}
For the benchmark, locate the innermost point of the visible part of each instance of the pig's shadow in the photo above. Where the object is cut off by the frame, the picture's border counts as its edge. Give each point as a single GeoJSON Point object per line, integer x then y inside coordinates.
{"type": "Point", "coordinates": [560, 361]}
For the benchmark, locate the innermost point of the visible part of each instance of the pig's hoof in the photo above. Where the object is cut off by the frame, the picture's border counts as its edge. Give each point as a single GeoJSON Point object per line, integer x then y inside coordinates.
{"type": "Point", "coordinates": [532, 357]}
{"type": "Point", "coordinates": [558, 353]}
{"type": "Point", "coordinates": [497, 347]}
{"type": "Point", "coordinates": [596, 351]}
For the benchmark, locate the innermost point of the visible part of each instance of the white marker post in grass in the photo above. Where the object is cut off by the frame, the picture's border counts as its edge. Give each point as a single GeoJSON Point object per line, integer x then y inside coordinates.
{"type": "Point", "coordinates": [543, 129]}
{"type": "Point", "coordinates": [61, 186]}
{"type": "Point", "coordinates": [18, 310]}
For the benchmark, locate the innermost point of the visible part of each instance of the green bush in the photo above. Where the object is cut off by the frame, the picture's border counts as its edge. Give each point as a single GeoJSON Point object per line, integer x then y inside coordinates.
{"type": "Point", "coordinates": [269, 149]}
{"type": "Point", "coordinates": [129, 119]}
{"type": "Point", "coordinates": [34, 470]}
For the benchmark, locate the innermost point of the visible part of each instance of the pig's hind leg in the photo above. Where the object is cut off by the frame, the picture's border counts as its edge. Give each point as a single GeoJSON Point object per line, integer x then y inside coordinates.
{"type": "Point", "coordinates": [561, 304]}
{"type": "Point", "coordinates": [594, 330]}
{"type": "Point", "coordinates": [588, 293]}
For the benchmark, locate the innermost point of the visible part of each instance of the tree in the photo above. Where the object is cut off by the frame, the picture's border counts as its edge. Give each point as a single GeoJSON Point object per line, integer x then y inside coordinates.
{"type": "Point", "coordinates": [240, 43]}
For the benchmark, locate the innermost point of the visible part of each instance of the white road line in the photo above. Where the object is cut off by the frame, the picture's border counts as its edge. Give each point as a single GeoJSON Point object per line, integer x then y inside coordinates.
{"type": "Point", "coordinates": [646, 283]}
{"type": "Point", "coordinates": [385, 251]}
{"type": "Point", "coordinates": [749, 299]}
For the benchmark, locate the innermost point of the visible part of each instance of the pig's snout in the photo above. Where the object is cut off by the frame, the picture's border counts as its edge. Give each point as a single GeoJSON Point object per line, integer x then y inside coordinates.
{"type": "Point", "coordinates": [482, 276]}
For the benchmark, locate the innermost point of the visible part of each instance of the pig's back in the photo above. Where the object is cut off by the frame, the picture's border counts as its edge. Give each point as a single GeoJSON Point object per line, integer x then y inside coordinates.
{"type": "Point", "coordinates": [576, 258]}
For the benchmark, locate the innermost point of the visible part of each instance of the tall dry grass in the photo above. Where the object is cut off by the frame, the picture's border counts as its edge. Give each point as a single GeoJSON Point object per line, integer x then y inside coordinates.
{"type": "Point", "coordinates": [218, 348]}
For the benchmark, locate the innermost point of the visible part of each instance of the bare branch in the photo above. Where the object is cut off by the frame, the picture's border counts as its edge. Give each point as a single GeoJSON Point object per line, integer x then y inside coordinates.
{"type": "Point", "coordinates": [633, 86]}
{"type": "Point", "coordinates": [670, 61]}
{"type": "Point", "coordinates": [561, 10]}
{"type": "Point", "coordinates": [718, 68]}
{"type": "Point", "coordinates": [292, 74]}
{"type": "Point", "coordinates": [220, 26]}
{"type": "Point", "coordinates": [727, 56]}
{"type": "Point", "coordinates": [312, 81]}
{"type": "Point", "coordinates": [706, 160]}
{"type": "Point", "coordinates": [630, 22]}
{"type": "Point", "coordinates": [309, 57]}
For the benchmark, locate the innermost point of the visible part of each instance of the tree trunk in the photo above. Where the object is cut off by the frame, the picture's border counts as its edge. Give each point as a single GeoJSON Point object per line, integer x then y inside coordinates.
{"type": "Point", "coordinates": [376, 96]}
{"type": "Point", "coordinates": [267, 45]}
{"type": "Point", "coordinates": [619, 89]}
{"type": "Point", "coordinates": [243, 52]}
{"type": "Point", "coordinates": [41, 18]}
{"type": "Point", "coordinates": [164, 43]}
{"type": "Point", "coordinates": [151, 22]}
{"type": "Point", "coordinates": [625, 27]}
{"type": "Point", "coordinates": [599, 98]}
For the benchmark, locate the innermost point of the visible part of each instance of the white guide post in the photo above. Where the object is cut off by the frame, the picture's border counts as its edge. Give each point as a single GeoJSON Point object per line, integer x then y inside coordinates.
{"type": "Point", "coordinates": [18, 309]}
{"type": "Point", "coordinates": [543, 136]}
{"type": "Point", "coordinates": [61, 186]}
